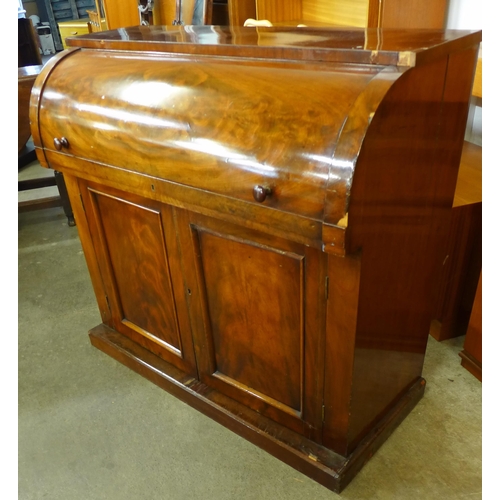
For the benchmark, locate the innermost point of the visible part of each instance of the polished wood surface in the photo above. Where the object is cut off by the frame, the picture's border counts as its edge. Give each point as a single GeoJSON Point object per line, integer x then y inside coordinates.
{"type": "Point", "coordinates": [472, 356]}
{"type": "Point", "coordinates": [145, 271]}
{"type": "Point", "coordinates": [354, 46]}
{"type": "Point", "coordinates": [259, 315]}
{"type": "Point", "coordinates": [263, 214]}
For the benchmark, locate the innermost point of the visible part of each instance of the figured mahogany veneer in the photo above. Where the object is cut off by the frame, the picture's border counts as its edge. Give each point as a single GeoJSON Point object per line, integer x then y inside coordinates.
{"type": "Point", "coordinates": [263, 214]}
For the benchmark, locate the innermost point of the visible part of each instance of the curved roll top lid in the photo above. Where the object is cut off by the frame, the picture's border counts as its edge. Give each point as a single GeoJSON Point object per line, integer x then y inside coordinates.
{"type": "Point", "coordinates": [219, 127]}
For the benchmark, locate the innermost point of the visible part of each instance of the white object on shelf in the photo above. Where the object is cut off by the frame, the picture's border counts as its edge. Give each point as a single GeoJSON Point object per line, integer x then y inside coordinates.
{"type": "Point", "coordinates": [46, 41]}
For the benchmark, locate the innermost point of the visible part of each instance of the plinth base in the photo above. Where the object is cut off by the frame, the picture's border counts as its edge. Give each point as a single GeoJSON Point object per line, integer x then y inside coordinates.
{"type": "Point", "coordinates": [315, 461]}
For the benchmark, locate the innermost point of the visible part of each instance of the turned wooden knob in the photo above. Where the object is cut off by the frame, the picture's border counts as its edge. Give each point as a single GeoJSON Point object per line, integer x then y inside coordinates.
{"type": "Point", "coordinates": [260, 193]}
{"type": "Point", "coordinates": [61, 143]}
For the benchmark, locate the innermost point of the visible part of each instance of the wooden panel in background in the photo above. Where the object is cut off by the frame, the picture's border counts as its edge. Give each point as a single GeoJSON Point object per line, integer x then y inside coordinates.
{"type": "Point", "coordinates": [240, 11]}
{"type": "Point", "coordinates": [277, 10]}
{"type": "Point", "coordinates": [351, 13]}
{"type": "Point", "coordinates": [121, 14]}
{"type": "Point", "coordinates": [412, 13]}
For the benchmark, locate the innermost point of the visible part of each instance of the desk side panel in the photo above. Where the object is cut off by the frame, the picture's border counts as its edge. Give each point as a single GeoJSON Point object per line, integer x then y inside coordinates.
{"type": "Point", "coordinates": [400, 210]}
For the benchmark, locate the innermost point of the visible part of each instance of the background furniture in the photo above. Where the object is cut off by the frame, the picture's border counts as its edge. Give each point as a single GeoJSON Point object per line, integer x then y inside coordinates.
{"type": "Point", "coordinates": [74, 27]}
{"type": "Point", "coordinates": [358, 13]}
{"type": "Point", "coordinates": [26, 76]}
{"type": "Point", "coordinates": [94, 23]}
{"type": "Point", "coordinates": [459, 276]}
{"type": "Point", "coordinates": [269, 263]}
{"type": "Point", "coordinates": [472, 353]}
{"type": "Point", "coordinates": [28, 52]}
{"type": "Point", "coordinates": [123, 13]}
{"type": "Point", "coordinates": [26, 152]}
{"type": "Point", "coordinates": [55, 11]}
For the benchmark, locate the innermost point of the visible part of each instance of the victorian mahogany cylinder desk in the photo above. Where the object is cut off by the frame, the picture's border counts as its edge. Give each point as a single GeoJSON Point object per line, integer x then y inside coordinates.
{"type": "Point", "coordinates": [261, 210]}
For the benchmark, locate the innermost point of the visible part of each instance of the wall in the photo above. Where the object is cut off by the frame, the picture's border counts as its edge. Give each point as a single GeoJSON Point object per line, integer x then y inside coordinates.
{"type": "Point", "coordinates": [465, 14]}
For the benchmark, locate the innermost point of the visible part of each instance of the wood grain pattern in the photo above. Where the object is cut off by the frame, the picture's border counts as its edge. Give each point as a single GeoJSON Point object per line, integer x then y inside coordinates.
{"type": "Point", "coordinates": [238, 304]}
{"type": "Point", "coordinates": [389, 231]}
{"type": "Point", "coordinates": [341, 326]}
{"type": "Point", "coordinates": [267, 356]}
{"type": "Point", "coordinates": [412, 14]}
{"type": "Point", "coordinates": [137, 273]}
{"type": "Point", "coordinates": [261, 342]}
{"type": "Point", "coordinates": [341, 13]}
{"type": "Point", "coordinates": [276, 11]}
{"type": "Point", "coordinates": [241, 10]}
{"type": "Point", "coordinates": [236, 148]}
{"type": "Point", "coordinates": [121, 14]}
{"type": "Point", "coordinates": [354, 46]}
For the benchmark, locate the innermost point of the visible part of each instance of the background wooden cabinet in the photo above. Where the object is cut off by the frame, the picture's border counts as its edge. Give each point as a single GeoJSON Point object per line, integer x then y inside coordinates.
{"type": "Point", "coordinates": [124, 13]}
{"type": "Point", "coordinates": [357, 13]}
{"type": "Point", "coordinates": [55, 12]}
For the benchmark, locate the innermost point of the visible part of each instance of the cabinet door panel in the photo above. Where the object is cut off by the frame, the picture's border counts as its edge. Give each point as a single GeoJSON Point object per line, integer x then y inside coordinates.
{"type": "Point", "coordinates": [145, 291]}
{"type": "Point", "coordinates": [256, 316]}
{"type": "Point", "coordinates": [262, 326]}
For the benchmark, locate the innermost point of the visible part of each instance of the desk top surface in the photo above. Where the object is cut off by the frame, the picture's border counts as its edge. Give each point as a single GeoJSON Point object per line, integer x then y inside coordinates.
{"type": "Point", "coordinates": [348, 45]}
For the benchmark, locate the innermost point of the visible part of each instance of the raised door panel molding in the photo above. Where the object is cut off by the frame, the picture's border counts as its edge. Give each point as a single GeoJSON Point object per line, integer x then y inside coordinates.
{"type": "Point", "coordinates": [271, 286]}
{"type": "Point", "coordinates": [144, 292]}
